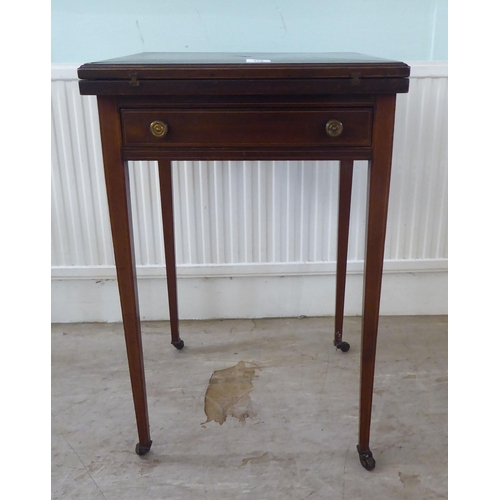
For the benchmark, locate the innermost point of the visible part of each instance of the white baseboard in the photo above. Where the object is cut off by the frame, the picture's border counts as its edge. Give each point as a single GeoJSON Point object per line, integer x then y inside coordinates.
{"type": "Point", "coordinates": [252, 296]}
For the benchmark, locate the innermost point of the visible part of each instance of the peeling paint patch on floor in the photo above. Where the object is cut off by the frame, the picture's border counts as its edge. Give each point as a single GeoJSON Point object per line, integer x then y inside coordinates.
{"type": "Point", "coordinates": [228, 393]}
{"type": "Point", "coordinates": [409, 480]}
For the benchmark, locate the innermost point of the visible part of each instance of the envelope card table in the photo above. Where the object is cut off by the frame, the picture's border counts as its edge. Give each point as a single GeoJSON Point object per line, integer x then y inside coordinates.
{"type": "Point", "coordinates": [247, 106]}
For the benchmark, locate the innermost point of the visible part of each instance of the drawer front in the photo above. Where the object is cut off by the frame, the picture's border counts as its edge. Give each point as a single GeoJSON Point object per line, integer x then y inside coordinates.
{"type": "Point", "coordinates": [246, 128]}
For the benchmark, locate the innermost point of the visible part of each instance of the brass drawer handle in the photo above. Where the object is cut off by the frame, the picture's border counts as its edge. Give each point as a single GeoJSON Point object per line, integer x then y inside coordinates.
{"type": "Point", "coordinates": [334, 128]}
{"type": "Point", "coordinates": [158, 129]}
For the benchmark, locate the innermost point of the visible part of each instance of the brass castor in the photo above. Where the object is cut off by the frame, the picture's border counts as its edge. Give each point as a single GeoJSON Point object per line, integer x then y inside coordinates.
{"type": "Point", "coordinates": [142, 449]}
{"type": "Point", "coordinates": [343, 346]}
{"type": "Point", "coordinates": [366, 459]}
{"type": "Point", "coordinates": [179, 344]}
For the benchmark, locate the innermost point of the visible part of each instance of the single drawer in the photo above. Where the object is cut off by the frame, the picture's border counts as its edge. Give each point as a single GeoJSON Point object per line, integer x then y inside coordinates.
{"type": "Point", "coordinates": [246, 127]}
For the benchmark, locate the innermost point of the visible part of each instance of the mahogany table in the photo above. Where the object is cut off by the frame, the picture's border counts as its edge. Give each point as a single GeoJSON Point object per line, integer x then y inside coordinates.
{"type": "Point", "coordinates": [266, 106]}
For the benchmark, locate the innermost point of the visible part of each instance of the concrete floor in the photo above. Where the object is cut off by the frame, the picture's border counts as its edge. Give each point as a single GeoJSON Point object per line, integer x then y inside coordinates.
{"type": "Point", "coordinates": [289, 433]}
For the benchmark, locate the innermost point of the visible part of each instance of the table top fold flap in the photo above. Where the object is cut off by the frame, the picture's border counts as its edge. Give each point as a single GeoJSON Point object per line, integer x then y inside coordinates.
{"type": "Point", "coordinates": [165, 73]}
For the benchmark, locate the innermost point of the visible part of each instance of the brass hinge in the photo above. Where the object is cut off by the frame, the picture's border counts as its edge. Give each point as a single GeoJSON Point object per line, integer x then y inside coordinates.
{"type": "Point", "coordinates": [134, 82]}
{"type": "Point", "coordinates": [355, 77]}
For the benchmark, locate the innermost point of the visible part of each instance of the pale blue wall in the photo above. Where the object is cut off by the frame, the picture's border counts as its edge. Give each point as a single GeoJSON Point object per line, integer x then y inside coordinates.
{"type": "Point", "coordinates": [91, 30]}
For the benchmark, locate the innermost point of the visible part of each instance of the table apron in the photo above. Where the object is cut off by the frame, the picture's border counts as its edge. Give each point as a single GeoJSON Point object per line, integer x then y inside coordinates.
{"type": "Point", "coordinates": [254, 153]}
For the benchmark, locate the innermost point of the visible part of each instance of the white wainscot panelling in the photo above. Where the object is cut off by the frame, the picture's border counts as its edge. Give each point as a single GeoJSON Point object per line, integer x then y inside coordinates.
{"type": "Point", "coordinates": [253, 239]}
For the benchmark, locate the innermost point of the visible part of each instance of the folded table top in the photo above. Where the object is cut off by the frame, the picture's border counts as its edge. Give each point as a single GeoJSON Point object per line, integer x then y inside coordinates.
{"type": "Point", "coordinates": [125, 75]}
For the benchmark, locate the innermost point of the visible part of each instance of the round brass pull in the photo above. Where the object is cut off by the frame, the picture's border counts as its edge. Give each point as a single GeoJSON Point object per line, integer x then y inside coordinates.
{"type": "Point", "coordinates": [158, 129]}
{"type": "Point", "coordinates": [334, 128]}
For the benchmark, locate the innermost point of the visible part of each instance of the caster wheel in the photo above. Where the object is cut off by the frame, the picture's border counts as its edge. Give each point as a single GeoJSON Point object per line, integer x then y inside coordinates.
{"type": "Point", "coordinates": [343, 346]}
{"type": "Point", "coordinates": [141, 449]}
{"type": "Point", "coordinates": [366, 459]}
{"type": "Point", "coordinates": [178, 345]}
